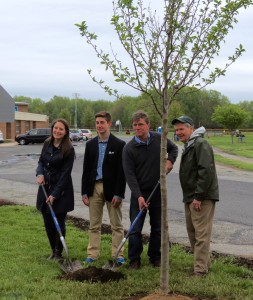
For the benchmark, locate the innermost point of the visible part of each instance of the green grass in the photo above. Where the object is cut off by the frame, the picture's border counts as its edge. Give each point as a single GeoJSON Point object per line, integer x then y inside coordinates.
{"type": "Point", "coordinates": [26, 274]}
{"type": "Point", "coordinates": [233, 163]}
{"type": "Point", "coordinates": [225, 143]}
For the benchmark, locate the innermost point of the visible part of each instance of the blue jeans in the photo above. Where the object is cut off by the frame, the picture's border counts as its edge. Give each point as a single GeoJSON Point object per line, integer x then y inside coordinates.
{"type": "Point", "coordinates": [135, 245]}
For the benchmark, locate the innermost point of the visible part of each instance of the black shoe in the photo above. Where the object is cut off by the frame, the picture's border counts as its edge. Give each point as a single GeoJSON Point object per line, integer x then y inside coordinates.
{"type": "Point", "coordinates": [156, 263]}
{"type": "Point", "coordinates": [57, 257]}
{"type": "Point", "coordinates": [134, 265]}
{"type": "Point", "coordinates": [51, 257]}
{"type": "Point", "coordinates": [200, 274]}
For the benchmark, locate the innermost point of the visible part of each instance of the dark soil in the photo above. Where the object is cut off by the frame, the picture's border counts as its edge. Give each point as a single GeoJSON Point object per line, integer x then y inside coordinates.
{"type": "Point", "coordinates": [6, 202]}
{"type": "Point", "coordinates": [84, 225]}
{"type": "Point", "coordinates": [106, 229]}
{"type": "Point", "coordinates": [93, 274]}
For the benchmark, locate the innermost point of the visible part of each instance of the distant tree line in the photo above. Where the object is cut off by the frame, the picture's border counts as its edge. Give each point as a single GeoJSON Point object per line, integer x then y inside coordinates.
{"type": "Point", "coordinates": [199, 104]}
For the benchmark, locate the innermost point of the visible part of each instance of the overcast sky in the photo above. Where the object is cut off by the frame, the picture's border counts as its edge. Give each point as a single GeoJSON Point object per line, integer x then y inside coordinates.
{"type": "Point", "coordinates": [42, 53]}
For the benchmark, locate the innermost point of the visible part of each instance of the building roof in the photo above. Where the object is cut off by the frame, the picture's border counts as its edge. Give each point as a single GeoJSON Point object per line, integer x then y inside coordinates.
{"type": "Point", "coordinates": [21, 103]}
{"type": "Point", "coordinates": [7, 106]}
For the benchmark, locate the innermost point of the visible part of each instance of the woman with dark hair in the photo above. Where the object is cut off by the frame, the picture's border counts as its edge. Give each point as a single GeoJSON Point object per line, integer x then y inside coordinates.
{"type": "Point", "coordinates": [54, 172]}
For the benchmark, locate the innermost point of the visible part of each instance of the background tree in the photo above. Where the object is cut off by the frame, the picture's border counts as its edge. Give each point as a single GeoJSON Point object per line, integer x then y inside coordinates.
{"type": "Point", "coordinates": [56, 105]}
{"type": "Point", "coordinates": [200, 104]}
{"type": "Point", "coordinates": [167, 56]}
{"type": "Point", "coordinates": [36, 106]}
{"type": "Point", "coordinates": [230, 116]}
{"type": "Point", "coordinates": [87, 117]}
{"type": "Point", "coordinates": [176, 109]}
{"type": "Point", "coordinates": [65, 114]}
{"type": "Point", "coordinates": [247, 106]}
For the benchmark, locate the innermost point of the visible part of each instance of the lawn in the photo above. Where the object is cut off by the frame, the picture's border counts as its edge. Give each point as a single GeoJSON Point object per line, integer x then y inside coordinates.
{"type": "Point", "coordinates": [25, 273]}
{"type": "Point", "coordinates": [224, 143]}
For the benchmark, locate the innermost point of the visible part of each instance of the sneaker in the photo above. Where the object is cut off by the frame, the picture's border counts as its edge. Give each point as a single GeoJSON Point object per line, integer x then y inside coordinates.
{"type": "Point", "coordinates": [134, 265]}
{"type": "Point", "coordinates": [89, 260]}
{"type": "Point", "coordinates": [120, 260]}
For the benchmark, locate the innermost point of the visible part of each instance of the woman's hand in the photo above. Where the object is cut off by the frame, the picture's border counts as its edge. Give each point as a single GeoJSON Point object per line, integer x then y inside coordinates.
{"type": "Point", "coordinates": [40, 179]}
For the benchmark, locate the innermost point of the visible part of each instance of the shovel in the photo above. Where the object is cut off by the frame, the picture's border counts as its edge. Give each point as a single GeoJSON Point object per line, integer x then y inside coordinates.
{"type": "Point", "coordinates": [66, 265]}
{"type": "Point", "coordinates": [113, 264]}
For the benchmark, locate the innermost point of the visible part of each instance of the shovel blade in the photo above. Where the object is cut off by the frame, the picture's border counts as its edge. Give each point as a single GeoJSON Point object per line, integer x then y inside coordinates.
{"type": "Point", "coordinates": [69, 266]}
{"type": "Point", "coordinates": [112, 265]}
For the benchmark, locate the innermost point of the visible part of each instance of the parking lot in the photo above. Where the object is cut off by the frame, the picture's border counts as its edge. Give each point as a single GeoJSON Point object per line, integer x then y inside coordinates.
{"type": "Point", "coordinates": [232, 231]}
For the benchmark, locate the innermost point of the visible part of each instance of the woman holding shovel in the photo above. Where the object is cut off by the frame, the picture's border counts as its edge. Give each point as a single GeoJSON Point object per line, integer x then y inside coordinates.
{"type": "Point", "coordinates": [54, 172]}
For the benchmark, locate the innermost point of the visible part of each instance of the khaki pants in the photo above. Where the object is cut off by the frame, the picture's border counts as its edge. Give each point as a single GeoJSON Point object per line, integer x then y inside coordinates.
{"type": "Point", "coordinates": [97, 202]}
{"type": "Point", "coordinates": [199, 228]}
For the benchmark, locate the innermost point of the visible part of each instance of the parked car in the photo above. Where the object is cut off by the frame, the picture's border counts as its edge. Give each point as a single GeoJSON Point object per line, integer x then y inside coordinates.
{"type": "Point", "coordinates": [78, 133]}
{"type": "Point", "coordinates": [73, 137]}
{"type": "Point", "coordinates": [87, 134]}
{"type": "Point", "coordinates": [1, 137]}
{"type": "Point", "coordinates": [36, 135]}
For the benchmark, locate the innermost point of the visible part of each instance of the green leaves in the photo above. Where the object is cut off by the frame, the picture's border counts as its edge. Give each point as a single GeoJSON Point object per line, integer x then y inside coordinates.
{"type": "Point", "coordinates": [231, 116]}
{"type": "Point", "coordinates": [168, 52]}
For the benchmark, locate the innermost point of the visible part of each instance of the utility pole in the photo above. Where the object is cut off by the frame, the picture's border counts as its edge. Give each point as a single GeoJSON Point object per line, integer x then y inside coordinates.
{"type": "Point", "coordinates": [76, 95]}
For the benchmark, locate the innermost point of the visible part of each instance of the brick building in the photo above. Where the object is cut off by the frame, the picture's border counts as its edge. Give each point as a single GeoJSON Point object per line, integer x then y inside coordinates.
{"type": "Point", "coordinates": [15, 118]}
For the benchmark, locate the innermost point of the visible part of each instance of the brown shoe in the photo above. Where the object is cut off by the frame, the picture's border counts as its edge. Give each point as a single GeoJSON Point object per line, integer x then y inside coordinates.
{"type": "Point", "coordinates": [134, 265]}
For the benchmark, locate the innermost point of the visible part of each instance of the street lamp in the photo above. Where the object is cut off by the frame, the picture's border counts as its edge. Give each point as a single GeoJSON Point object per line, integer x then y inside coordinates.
{"type": "Point", "coordinates": [76, 96]}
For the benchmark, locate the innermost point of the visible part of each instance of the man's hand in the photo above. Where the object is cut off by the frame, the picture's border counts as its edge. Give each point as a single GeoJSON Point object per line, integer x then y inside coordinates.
{"type": "Point", "coordinates": [196, 204]}
{"type": "Point", "coordinates": [169, 166]}
{"type": "Point", "coordinates": [116, 201]}
{"type": "Point", "coordinates": [142, 203]}
{"type": "Point", "coordinates": [86, 200]}
{"type": "Point", "coordinates": [50, 199]}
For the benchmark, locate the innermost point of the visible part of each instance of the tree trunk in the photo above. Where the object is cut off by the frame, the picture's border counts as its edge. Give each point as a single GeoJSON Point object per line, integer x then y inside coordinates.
{"type": "Point", "coordinates": [164, 274]}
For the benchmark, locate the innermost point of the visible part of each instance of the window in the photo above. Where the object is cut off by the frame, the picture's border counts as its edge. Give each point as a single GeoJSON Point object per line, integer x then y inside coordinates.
{"type": "Point", "coordinates": [18, 127]}
{"type": "Point", "coordinates": [27, 125]}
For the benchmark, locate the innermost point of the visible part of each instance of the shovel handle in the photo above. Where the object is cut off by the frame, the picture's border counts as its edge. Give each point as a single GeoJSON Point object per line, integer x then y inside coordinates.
{"type": "Point", "coordinates": [58, 228]}
{"type": "Point", "coordinates": [142, 210]}
{"type": "Point", "coordinates": [136, 220]}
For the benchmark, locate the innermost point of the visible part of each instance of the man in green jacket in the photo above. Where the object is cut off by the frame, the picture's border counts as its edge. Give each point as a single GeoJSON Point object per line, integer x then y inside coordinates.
{"type": "Point", "coordinates": [199, 184]}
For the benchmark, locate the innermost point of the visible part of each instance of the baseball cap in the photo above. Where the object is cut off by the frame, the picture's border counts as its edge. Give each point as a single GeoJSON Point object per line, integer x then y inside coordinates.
{"type": "Point", "coordinates": [183, 119]}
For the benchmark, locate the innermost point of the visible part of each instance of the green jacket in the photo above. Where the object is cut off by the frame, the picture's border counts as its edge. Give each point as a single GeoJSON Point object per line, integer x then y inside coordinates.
{"type": "Point", "coordinates": [197, 172]}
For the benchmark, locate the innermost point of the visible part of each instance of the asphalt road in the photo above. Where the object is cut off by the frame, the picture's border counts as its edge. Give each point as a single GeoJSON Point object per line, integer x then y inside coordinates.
{"type": "Point", "coordinates": [233, 216]}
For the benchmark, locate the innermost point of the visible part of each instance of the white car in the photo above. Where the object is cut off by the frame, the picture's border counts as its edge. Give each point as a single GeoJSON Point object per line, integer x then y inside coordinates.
{"type": "Point", "coordinates": [1, 137]}
{"type": "Point", "coordinates": [87, 134]}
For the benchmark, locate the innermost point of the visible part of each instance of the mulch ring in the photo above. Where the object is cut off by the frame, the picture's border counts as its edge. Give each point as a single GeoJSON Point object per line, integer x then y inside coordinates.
{"type": "Point", "coordinates": [93, 274]}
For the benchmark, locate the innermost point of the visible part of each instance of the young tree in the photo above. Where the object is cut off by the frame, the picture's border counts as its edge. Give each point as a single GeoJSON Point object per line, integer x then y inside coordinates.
{"type": "Point", "coordinates": [167, 55]}
{"type": "Point", "coordinates": [231, 116]}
